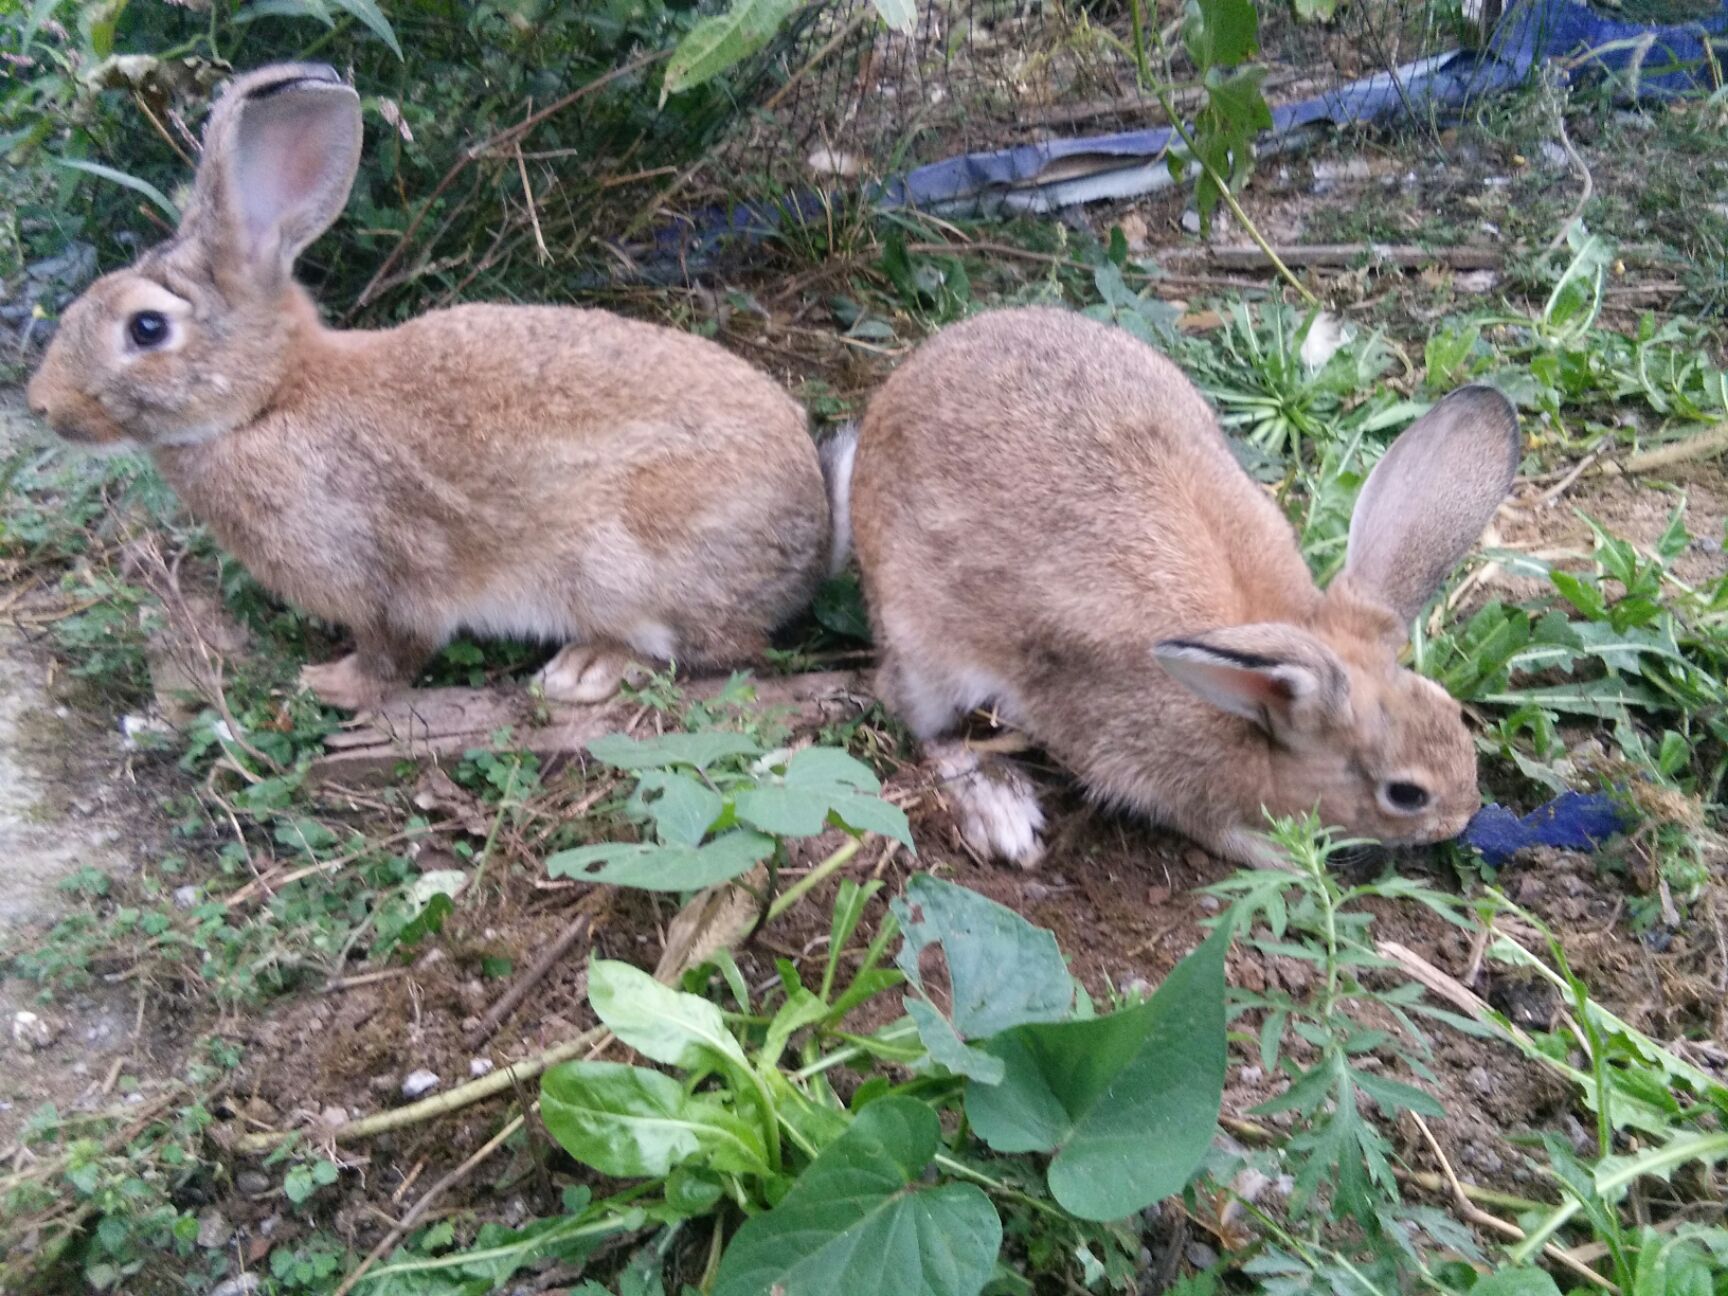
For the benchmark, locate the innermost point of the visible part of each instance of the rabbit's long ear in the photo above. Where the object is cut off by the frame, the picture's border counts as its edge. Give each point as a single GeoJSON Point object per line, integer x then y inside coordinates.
{"type": "Point", "coordinates": [280, 153]}
{"type": "Point", "coordinates": [1429, 498]}
{"type": "Point", "coordinates": [1279, 676]}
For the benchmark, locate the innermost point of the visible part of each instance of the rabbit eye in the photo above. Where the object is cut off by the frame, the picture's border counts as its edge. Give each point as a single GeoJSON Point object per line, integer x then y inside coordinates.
{"type": "Point", "coordinates": [147, 329]}
{"type": "Point", "coordinates": [1405, 798]}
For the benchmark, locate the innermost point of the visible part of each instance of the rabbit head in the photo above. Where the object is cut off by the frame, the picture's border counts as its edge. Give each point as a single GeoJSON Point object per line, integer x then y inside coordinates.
{"type": "Point", "coordinates": [191, 341]}
{"type": "Point", "coordinates": [1382, 751]}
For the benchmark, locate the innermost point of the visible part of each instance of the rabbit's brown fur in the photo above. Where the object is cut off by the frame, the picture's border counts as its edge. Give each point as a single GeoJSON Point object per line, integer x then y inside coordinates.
{"type": "Point", "coordinates": [541, 472]}
{"type": "Point", "coordinates": [1049, 520]}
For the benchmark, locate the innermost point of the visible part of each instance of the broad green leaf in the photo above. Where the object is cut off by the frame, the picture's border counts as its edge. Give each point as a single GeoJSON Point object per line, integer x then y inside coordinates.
{"type": "Point", "coordinates": [855, 1223]}
{"type": "Point", "coordinates": [697, 749]}
{"type": "Point", "coordinates": [664, 868]}
{"type": "Point", "coordinates": [901, 15]}
{"type": "Point", "coordinates": [682, 809]}
{"type": "Point", "coordinates": [1516, 1282]}
{"type": "Point", "coordinates": [367, 11]}
{"type": "Point", "coordinates": [1220, 33]}
{"type": "Point", "coordinates": [1002, 972]}
{"type": "Point", "coordinates": [716, 44]}
{"type": "Point", "coordinates": [630, 1122]}
{"type": "Point", "coordinates": [1128, 1103]}
{"type": "Point", "coordinates": [821, 783]}
{"type": "Point", "coordinates": [672, 1028]}
{"type": "Point", "coordinates": [131, 182]}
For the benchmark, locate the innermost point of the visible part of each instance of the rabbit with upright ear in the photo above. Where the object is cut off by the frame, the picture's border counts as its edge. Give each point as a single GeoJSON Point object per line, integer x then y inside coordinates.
{"type": "Point", "coordinates": [550, 473]}
{"type": "Point", "coordinates": [1049, 520]}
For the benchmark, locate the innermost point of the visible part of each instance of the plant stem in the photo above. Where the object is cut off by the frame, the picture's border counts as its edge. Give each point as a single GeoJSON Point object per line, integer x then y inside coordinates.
{"type": "Point", "coordinates": [1162, 94]}
{"type": "Point", "coordinates": [954, 1167]}
{"type": "Point", "coordinates": [439, 1104]}
{"type": "Point", "coordinates": [796, 892]}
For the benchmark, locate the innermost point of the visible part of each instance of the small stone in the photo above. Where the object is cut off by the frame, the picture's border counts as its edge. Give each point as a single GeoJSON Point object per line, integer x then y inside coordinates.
{"type": "Point", "coordinates": [1250, 1075]}
{"type": "Point", "coordinates": [1191, 221]}
{"type": "Point", "coordinates": [243, 1285]}
{"type": "Point", "coordinates": [1201, 1256]}
{"type": "Point", "coordinates": [1035, 891]}
{"type": "Point", "coordinates": [333, 1116]}
{"type": "Point", "coordinates": [1195, 858]}
{"type": "Point", "coordinates": [1210, 903]}
{"type": "Point", "coordinates": [1480, 1080]}
{"type": "Point", "coordinates": [213, 1230]}
{"type": "Point", "coordinates": [418, 1084]}
{"type": "Point", "coordinates": [1553, 155]}
{"type": "Point", "coordinates": [381, 1084]}
{"type": "Point", "coordinates": [252, 1183]}
{"type": "Point", "coordinates": [33, 1032]}
{"type": "Point", "coordinates": [479, 1066]}
{"type": "Point", "coordinates": [185, 897]}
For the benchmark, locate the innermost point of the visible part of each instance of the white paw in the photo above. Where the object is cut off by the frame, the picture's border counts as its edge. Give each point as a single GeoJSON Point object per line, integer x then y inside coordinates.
{"type": "Point", "coordinates": [996, 808]}
{"type": "Point", "coordinates": [584, 674]}
{"type": "Point", "coordinates": [344, 684]}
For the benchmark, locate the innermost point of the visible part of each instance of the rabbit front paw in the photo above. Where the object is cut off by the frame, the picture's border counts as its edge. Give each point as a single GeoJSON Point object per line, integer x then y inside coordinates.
{"type": "Point", "coordinates": [994, 804]}
{"type": "Point", "coordinates": [346, 684]}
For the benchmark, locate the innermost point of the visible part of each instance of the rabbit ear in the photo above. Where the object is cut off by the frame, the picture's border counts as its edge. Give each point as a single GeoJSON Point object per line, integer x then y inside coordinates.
{"type": "Point", "coordinates": [1280, 677]}
{"type": "Point", "coordinates": [1430, 496]}
{"type": "Point", "coordinates": [280, 154]}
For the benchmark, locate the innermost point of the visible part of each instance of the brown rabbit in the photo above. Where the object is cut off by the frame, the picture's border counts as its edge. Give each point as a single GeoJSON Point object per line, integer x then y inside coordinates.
{"type": "Point", "coordinates": [542, 472]}
{"type": "Point", "coordinates": [1049, 520]}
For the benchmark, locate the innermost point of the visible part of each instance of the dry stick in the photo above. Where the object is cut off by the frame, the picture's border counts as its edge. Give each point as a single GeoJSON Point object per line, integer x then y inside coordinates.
{"type": "Point", "coordinates": [500, 1012]}
{"type": "Point", "coordinates": [1482, 1219]}
{"type": "Point", "coordinates": [439, 1104]}
{"type": "Point", "coordinates": [828, 47]}
{"type": "Point", "coordinates": [420, 1207]}
{"type": "Point", "coordinates": [1705, 445]}
{"type": "Point", "coordinates": [510, 135]}
{"type": "Point", "coordinates": [540, 248]}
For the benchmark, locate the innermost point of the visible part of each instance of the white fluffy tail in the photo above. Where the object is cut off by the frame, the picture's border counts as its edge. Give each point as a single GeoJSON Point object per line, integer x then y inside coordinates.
{"type": "Point", "coordinates": [837, 452]}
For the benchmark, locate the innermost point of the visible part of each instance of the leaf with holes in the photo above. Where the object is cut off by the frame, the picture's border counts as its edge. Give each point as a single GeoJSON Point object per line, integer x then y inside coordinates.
{"type": "Point", "coordinates": [821, 785]}
{"type": "Point", "coordinates": [649, 867]}
{"type": "Point", "coordinates": [1002, 972]}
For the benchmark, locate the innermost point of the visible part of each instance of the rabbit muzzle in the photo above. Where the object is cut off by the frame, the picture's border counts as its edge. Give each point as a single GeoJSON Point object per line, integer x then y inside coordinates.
{"type": "Point", "coordinates": [74, 415]}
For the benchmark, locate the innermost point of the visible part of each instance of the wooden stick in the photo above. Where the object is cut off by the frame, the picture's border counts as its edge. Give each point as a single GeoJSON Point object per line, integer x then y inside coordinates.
{"type": "Point", "coordinates": [500, 1012]}
{"type": "Point", "coordinates": [420, 1207]}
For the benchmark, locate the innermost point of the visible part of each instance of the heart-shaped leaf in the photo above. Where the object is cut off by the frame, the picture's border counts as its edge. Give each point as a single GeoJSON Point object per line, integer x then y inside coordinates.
{"type": "Point", "coordinates": [854, 1223]}
{"type": "Point", "coordinates": [650, 867]}
{"type": "Point", "coordinates": [630, 1122]}
{"type": "Point", "coordinates": [1127, 1103]}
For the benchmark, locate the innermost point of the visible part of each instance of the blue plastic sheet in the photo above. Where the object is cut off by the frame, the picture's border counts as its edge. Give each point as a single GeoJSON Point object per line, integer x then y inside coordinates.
{"type": "Point", "coordinates": [1662, 60]}
{"type": "Point", "coordinates": [1572, 821]}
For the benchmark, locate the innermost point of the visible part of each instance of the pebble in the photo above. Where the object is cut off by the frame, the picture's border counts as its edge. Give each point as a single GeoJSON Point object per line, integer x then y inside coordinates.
{"type": "Point", "coordinates": [1191, 221]}
{"type": "Point", "coordinates": [32, 1032]}
{"type": "Point", "coordinates": [185, 897]}
{"type": "Point", "coordinates": [1250, 1075]}
{"type": "Point", "coordinates": [1480, 1080]}
{"type": "Point", "coordinates": [252, 1183]}
{"type": "Point", "coordinates": [333, 1116]}
{"type": "Point", "coordinates": [243, 1285]}
{"type": "Point", "coordinates": [418, 1084]}
{"type": "Point", "coordinates": [214, 1230]}
{"type": "Point", "coordinates": [1210, 903]}
{"type": "Point", "coordinates": [480, 1066]}
{"type": "Point", "coordinates": [1201, 1256]}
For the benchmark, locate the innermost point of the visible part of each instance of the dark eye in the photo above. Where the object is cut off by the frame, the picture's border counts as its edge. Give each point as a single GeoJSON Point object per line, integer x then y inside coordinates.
{"type": "Point", "coordinates": [147, 329]}
{"type": "Point", "coordinates": [1406, 798]}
